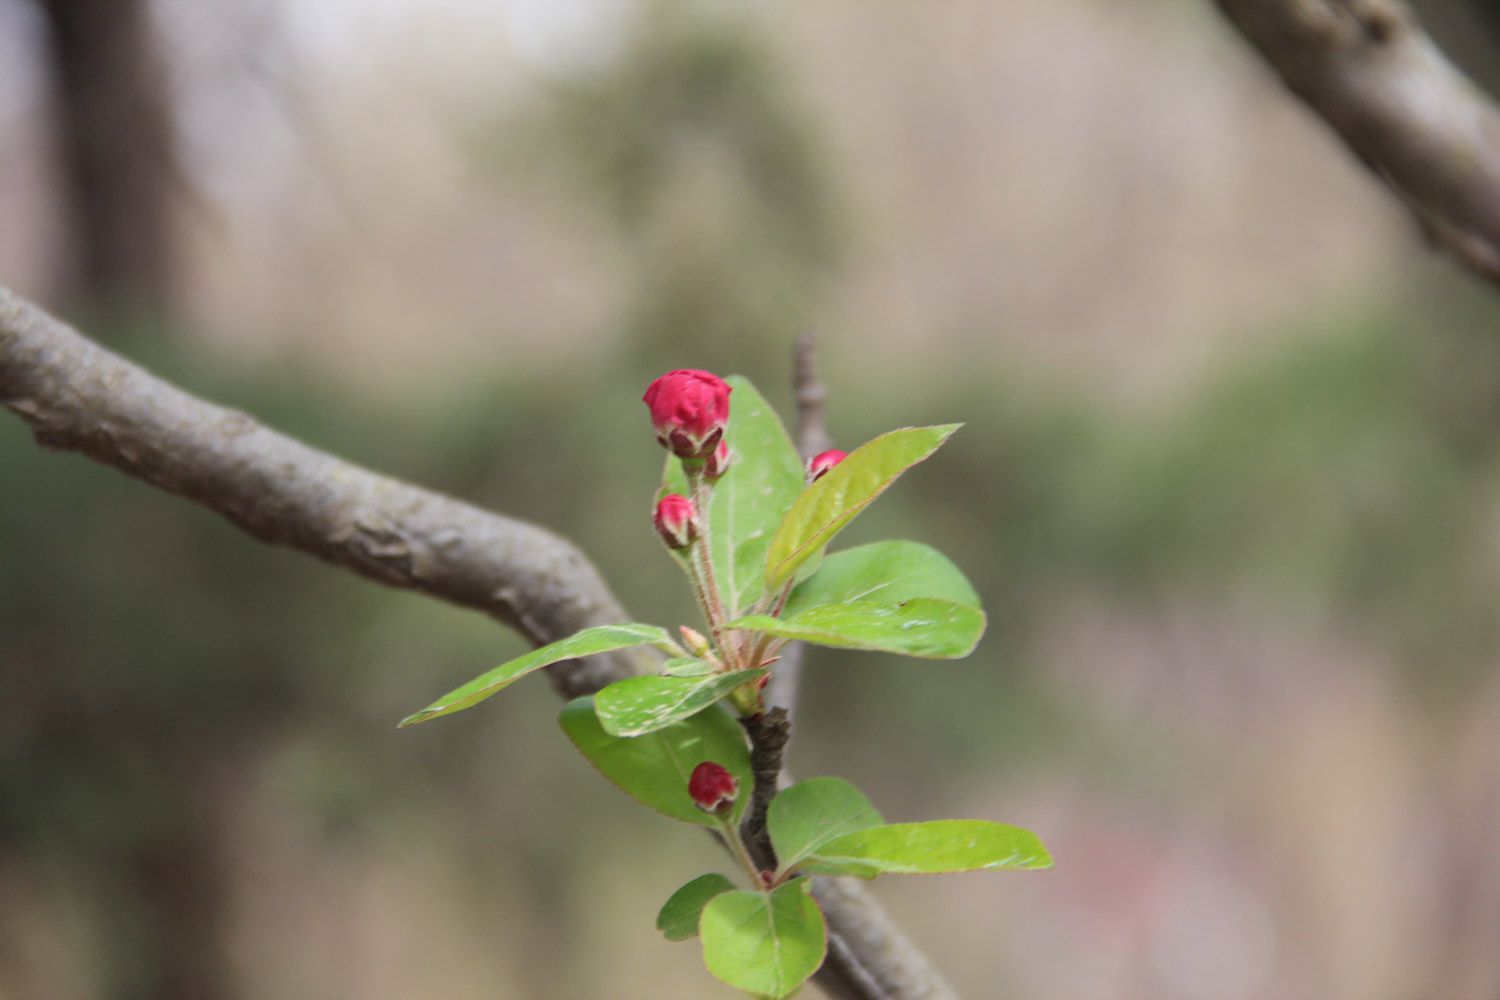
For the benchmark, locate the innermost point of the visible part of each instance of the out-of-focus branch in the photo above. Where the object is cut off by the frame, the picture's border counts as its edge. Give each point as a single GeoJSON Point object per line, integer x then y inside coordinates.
{"type": "Point", "coordinates": [80, 397]}
{"type": "Point", "coordinates": [811, 395]}
{"type": "Point", "coordinates": [1381, 83]}
{"type": "Point", "coordinates": [812, 438]}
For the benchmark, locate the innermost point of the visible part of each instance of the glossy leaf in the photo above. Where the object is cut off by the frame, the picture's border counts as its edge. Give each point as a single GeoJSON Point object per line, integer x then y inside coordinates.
{"type": "Point", "coordinates": [678, 918]}
{"type": "Point", "coordinates": [810, 813]}
{"type": "Point", "coordinates": [764, 479]}
{"type": "Point", "coordinates": [885, 573]}
{"type": "Point", "coordinates": [639, 705]}
{"type": "Point", "coordinates": [948, 845]}
{"type": "Point", "coordinates": [922, 626]}
{"type": "Point", "coordinates": [829, 504]}
{"type": "Point", "coordinates": [765, 945]}
{"type": "Point", "coordinates": [654, 769]}
{"type": "Point", "coordinates": [601, 639]}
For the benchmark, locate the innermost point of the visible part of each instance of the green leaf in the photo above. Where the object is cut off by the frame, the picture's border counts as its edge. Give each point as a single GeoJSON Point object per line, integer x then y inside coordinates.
{"type": "Point", "coordinates": [678, 918]}
{"type": "Point", "coordinates": [765, 945]}
{"type": "Point", "coordinates": [830, 503]}
{"type": "Point", "coordinates": [947, 845]}
{"type": "Point", "coordinates": [687, 666]}
{"type": "Point", "coordinates": [654, 769]}
{"type": "Point", "coordinates": [922, 626]}
{"type": "Point", "coordinates": [600, 639]}
{"type": "Point", "coordinates": [639, 705]}
{"type": "Point", "coordinates": [885, 573]}
{"type": "Point", "coordinates": [764, 479]}
{"type": "Point", "coordinates": [810, 813]}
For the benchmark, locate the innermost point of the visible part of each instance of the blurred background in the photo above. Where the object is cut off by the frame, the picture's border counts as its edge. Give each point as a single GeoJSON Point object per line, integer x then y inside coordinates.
{"type": "Point", "coordinates": [1229, 487]}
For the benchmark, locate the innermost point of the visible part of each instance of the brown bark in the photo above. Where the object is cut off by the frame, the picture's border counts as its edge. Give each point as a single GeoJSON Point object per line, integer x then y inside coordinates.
{"type": "Point", "coordinates": [1367, 68]}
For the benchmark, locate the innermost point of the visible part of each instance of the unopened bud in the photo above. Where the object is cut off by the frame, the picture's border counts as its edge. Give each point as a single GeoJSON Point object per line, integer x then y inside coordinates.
{"type": "Point", "coordinates": [689, 411]}
{"type": "Point", "coordinates": [821, 463]}
{"type": "Point", "coordinates": [697, 643]}
{"type": "Point", "coordinates": [713, 788]}
{"type": "Point", "coordinates": [676, 521]}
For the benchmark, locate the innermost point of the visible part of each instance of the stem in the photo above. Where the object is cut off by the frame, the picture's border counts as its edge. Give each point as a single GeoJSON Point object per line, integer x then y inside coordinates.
{"type": "Point", "coordinates": [769, 733]}
{"type": "Point", "coordinates": [714, 600]}
{"type": "Point", "coordinates": [737, 848]}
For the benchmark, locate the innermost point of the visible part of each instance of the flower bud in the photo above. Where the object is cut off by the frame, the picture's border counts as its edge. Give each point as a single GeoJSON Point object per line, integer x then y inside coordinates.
{"type": "Point", "coordinates": [697, 643]}
{"type": "Point", "coordinates": [689, 410]}
{"type": "Point", "coordinates": [821, 463]}
{"type": "Point", "coordinates": [676, 521]}
{"type": "Point", "coordinates": [718, 462]}
{"type": "Point", "coordinates": [713, 788]}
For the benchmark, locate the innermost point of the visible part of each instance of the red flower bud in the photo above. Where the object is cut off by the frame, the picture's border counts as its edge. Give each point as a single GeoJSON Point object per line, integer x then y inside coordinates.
{"type": "Point", "coordinates": [713, 788]}
{"type": "Point", "coordinates": [676, 521]}
{"type": "Point", "coordinates": [823, 462]}
{"type": "Point", "coordinates": [718, 462]}
{"type": "Point", "coordinates": [689, 410]}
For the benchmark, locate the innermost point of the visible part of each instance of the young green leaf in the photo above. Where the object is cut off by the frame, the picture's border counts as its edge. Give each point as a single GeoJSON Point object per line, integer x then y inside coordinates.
{"type": "Point", "coordinates": [947, 845]}
{"type": "Point", "coordinates": [639, 705]}
{"type": "Point", "coordinates": [810, 813]}
{"type": "Point", "coordinates": [885, 573]}
{"type": "Point", "coordinates": [764, 944]}
{"type": "Point", "coordinates": [832, 502]}
{"type": "Point", "coordinates": [678, 918]}
{"type": "Point", "coordinates": [654, 769]}
{"type": "Point", "coordinates": [600, 639]}
{"type": "Point", "coordinates": [764, 479]}
{"type": "Point", "coordinates": [922, 626]}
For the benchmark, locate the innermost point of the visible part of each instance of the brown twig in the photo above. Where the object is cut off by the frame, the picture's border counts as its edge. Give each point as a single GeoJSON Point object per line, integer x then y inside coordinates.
{"type": "Point", "coordinates": [768, 734]}
{"type": "Point", "coordinates": [1367, 68]}
{"type": "Point", "coordinates": [81, 397]}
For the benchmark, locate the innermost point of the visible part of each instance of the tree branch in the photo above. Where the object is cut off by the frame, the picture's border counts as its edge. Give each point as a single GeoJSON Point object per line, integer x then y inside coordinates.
{"type": "Point", "coordinates": [80, 397]}
{"type": "Point", "coordinates": [1381, 83]}
{"type": "Point", "coordinates": [812, 439]}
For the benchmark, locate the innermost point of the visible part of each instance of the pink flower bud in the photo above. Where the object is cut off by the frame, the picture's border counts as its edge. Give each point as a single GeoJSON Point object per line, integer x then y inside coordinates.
{"type": "Point", "coordinates": [676, 521]}
{"type": "Point", "coordinates": [689, 410]}
{"type": "Point", "coordinates": [718, 462]}
{"type": "Point", "coordinates": [713, 788]}
{"type": "Point", "coordinates": [823, 462]}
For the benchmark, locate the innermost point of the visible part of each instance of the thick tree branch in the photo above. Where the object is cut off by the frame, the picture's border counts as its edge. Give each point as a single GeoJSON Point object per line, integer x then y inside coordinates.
{"type": "Point", "coordinates": [1381, 83]}
{"type": "Point", "coordinates": [80, 397]}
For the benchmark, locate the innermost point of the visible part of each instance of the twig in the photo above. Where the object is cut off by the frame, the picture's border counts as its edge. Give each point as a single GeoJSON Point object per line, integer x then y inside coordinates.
{"type": "Point", "coordinates": [1367, 68]}
{"type": "Point", "coordinates": [768, 734]}
{"type": "Point", "coordinates": [811, 395]}
{"type": "Point", "coordinates": [79, 396]}
{"type": "Point", "coordinates": [812, 439]}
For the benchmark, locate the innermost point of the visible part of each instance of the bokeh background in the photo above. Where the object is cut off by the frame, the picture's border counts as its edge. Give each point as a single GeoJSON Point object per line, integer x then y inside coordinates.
{"type": "Point", "coordinates": [1229, 487]}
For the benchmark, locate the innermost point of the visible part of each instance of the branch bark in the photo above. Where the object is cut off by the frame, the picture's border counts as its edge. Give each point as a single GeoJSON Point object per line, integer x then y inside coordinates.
{"type": "Point", "coordinates": [80, 397]}
{"type": "Point", "coordinates": [1368, 69]}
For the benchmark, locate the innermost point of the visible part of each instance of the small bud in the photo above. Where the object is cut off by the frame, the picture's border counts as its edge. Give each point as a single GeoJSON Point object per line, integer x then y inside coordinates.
{"type": "Point", "coordinates": [717, 463]}
{"type": "Point", "coordinates": [697, 643]}
{"type": "Point", "coordinates": [823, 462]}
{"type": "Point", "coordinates": [713, 788]}
{"type": "Point", "coordinates": [689, 411]}
{"type": "Point", "coordinates": [676, 521]}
